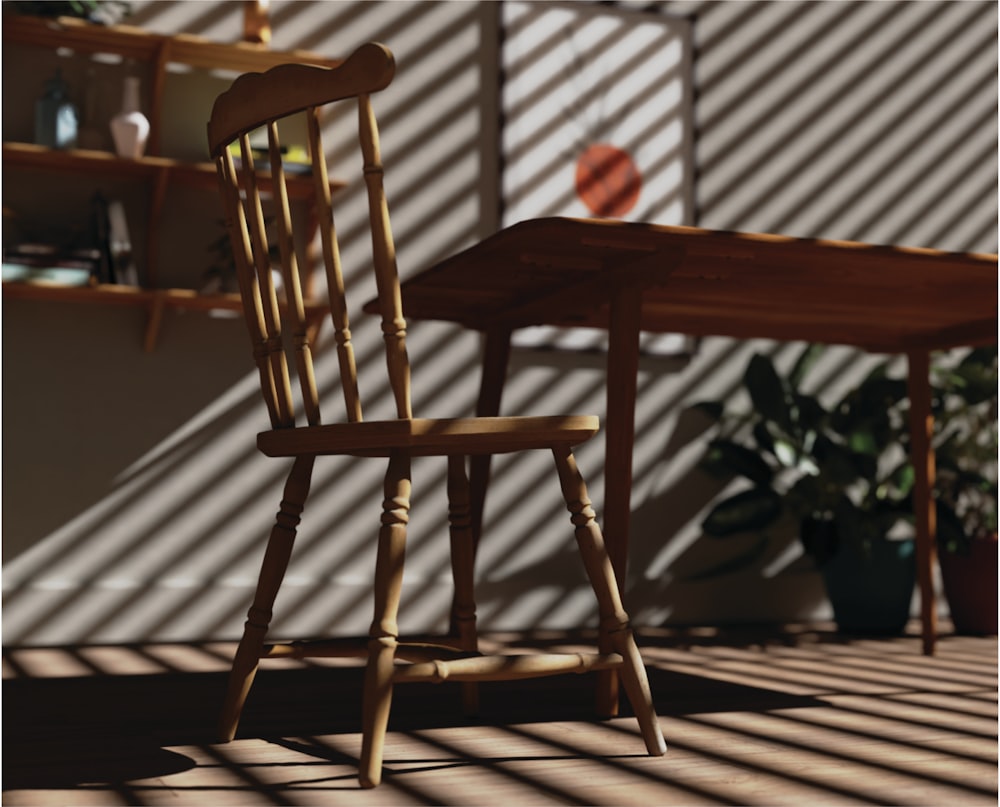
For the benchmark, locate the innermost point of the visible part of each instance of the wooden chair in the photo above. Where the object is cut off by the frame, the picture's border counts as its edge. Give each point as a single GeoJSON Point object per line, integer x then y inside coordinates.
{"type": "Point", "coordinates": [259, 100]}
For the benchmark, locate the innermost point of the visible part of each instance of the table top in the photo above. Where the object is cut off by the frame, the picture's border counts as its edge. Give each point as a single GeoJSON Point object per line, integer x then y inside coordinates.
{"type": "Point", "coordinates": [560, 271]}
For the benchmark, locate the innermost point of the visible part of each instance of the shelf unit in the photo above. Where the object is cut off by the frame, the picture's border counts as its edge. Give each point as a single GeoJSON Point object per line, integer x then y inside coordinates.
{"type": "Point", "coordinates": [158, 172]}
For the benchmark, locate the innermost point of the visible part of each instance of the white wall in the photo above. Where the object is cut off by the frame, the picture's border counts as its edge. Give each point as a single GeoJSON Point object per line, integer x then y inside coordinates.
{"type": "Point", "coordinates": [135, 504]}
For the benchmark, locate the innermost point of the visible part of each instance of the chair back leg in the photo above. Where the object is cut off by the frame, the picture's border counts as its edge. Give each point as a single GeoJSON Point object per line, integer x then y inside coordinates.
{"type": "Point", "coordinates": [463, 562]}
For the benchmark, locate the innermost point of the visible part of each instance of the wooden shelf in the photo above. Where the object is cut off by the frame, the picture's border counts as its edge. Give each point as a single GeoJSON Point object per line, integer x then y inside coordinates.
{"type": "Point", "coordinates": [157, 51]}
{"type": "Point", "coordinates": [140, 45]}
{"type": "Point", "coordinates": [155, 301]}
{"type": "Point", "coordinates": [104, 163]}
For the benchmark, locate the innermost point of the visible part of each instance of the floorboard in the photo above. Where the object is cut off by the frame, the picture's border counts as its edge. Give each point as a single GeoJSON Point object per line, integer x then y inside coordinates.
{"type": "Point", "coordinates": [777, 715]}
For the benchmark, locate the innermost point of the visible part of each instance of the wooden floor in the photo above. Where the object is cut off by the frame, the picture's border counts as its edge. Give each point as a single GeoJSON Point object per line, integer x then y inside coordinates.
{"type": "Point", "coordinates": [797, 715]}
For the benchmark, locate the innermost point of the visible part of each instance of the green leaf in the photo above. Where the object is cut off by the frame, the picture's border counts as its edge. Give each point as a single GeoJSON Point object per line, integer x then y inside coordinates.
{"type": "Point", "coordinates": [786, 453]}
{"type": "Point", "coordinates": [974, 382]}
{"type": "Point", "coordinates": [747, 511]}
{"type": "Point", "coordinates": [863, 442]}
{"type": "Point", "coordinates": [812, 497]}
{"type": "Point", "coordinates": [903, 477]}
{"type": "Point", "coordinates": [811, 414]}
{"type": "Point", "coordinates": [868, 406]}
{"type": "Point", "coordinates": [762, 434]}
{"type": "Point", "coordinates": [804, 363]}
{"type": "Point", "coordinates": [985, 357]}
{"type": "Point", "coordinates": [840, 465]}
{"type": "Point", "coordinates": [807, 466]}
{"type": "Point", "coordinates": [881, 390]}
{"type": "Point", "coordinates": [972, 478]}
{"type": "Point", "coordinates": [724, 457]}
{"type": "Point", "coordinates": [767, 391]}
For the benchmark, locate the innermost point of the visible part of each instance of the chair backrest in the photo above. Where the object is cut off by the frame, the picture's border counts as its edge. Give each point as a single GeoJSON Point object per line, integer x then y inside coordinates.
{"type": "Point", "coordinates": [258, 101]}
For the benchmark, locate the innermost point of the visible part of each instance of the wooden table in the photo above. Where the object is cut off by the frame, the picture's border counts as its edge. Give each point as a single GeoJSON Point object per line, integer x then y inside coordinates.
{"type": "Point", "coordinates": [629, 277]}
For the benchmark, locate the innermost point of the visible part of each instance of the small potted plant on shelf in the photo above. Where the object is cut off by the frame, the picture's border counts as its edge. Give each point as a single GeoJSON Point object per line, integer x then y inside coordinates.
{"type": "Point", "coordinates": [101, 12]}
{"type": "Point", "coordinates": [839, 473]}
{"type": "Point", "coordinates": [965, 444]}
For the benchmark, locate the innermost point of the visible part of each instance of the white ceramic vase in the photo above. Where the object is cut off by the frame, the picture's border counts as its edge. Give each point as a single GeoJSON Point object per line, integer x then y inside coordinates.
{"type": "Point", "coordinates": [130, 128]}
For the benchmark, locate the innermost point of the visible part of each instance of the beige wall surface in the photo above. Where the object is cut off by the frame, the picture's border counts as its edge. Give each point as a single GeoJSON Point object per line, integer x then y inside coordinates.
{"type": "Point", "coordinates": [135, 504]}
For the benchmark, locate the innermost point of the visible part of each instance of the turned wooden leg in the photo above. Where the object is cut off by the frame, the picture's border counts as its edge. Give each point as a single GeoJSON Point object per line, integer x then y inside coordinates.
{"type": "Point", "coordinates": [614, 621]}
{"type": "Point", "coordinates": [463, 562]}
{"type": "Point", "coordinates": [384, 632]}
{"type": "Point", "coordinates": [279, 550]}
{"type": "Point", "coordinates": [496, 357]}
{"type": "Point", "coordinates": [622, 369]}
{"type": "Point", "coordinates": [924, 508]}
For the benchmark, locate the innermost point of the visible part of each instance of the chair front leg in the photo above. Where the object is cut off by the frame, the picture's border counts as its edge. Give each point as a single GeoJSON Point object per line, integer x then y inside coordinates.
{"type": "Point", "coordinates": [384, 633]}
{"type": "Point", "coordinates": [272, 571]}
{"type": "Point", "coordinates": [614, 620]}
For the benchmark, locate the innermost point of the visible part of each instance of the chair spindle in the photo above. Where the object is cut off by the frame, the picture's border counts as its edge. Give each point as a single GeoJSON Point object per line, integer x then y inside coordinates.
{"type": "Point", "coordinates": [384, 256]}
{"type": "Point", "coordinates": [334, 274]}
{"type": "Point", "coordinates": [291, 281]}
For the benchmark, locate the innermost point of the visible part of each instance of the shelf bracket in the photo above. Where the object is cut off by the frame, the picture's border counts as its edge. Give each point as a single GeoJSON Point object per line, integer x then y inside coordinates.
{"type": "Point", "coordinates": [153, 322]}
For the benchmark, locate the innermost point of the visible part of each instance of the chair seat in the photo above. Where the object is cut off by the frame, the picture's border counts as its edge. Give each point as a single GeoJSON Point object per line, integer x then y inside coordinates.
{"type": "Point", "coordinates": [427, 436]}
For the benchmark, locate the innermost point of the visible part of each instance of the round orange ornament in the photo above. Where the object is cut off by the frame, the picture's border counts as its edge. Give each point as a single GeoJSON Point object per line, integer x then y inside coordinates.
{"type": "Point", "coordinates": [607, 180]}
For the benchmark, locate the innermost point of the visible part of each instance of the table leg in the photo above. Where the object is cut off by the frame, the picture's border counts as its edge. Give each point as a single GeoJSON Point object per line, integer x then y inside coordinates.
{"type": "Point", "coordinates": [496, 354]}
{"type": "Point", "coordinates": [619, 431]}
{"type": "Point", "coordinates": [922, 457]}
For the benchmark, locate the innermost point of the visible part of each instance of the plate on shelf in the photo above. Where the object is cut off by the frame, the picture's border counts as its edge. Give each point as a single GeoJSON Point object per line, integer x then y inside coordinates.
{"type": "Point", "coordinates": [46, 275]}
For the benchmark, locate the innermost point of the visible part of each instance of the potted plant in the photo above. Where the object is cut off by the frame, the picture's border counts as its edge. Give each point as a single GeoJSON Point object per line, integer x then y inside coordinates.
{"type": "Point", "coordinates": [965, 443]}
{"type": "Point", "coordinates": [839, 473]}
{"type": "Point", "coordinates": [101, 12]}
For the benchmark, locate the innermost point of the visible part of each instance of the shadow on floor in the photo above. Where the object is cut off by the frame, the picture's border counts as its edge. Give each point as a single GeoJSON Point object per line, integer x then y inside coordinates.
{"type": "Point", "coordinates": [106, 729]}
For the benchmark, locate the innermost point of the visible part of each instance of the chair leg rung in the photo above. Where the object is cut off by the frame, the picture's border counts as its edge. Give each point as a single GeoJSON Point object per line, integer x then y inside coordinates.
{"type": "Point", "coordinates": [506, 668]}
{"type": "Point", "coordinates": [317, 648]}
{"type": "Point", "coordinates": [354, 647]}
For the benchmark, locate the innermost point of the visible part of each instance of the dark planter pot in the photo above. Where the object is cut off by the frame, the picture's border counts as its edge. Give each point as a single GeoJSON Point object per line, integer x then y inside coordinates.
{"type": "Point", "coordinates": [970, 586]}
{"type": "Point", "coordinates": [871, 593]}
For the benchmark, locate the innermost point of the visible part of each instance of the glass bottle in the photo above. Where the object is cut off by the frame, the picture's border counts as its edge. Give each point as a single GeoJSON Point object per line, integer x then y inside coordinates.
{"type": "Point", "coordinates": [55, 115]}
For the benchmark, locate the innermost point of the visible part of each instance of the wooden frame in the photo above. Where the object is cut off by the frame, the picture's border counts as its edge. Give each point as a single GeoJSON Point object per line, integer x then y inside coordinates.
{"type": "Point", "coordinates": [597, 120]}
